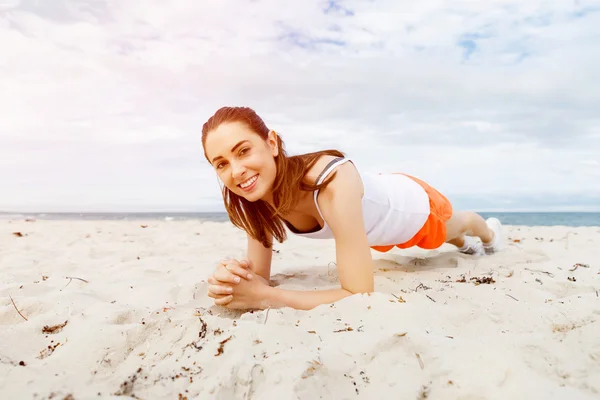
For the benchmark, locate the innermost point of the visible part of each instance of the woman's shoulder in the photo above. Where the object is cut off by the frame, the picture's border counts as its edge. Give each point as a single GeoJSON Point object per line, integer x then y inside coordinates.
{"type": "Point", "coordinates": [315, 171]}
{"type": "Point", "coordinates": [346, 173]}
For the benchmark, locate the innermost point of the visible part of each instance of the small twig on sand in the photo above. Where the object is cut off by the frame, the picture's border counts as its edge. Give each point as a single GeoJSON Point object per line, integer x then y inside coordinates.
{"type": "Point", "coordinates": [550, 274]}
{"type": "Point", "coordinates": [514, 298]}
{"type": "Point", "coordinates": [421, 286]}
{"type": "Point", "coordinates": [578, 265]}
{"type": "Point", "coordinates": [250, 391]}
{"type": "Point", "coordinates": [430, 298]}
{"type": "Point", "coordinates": [420, 361]}
{"type": "Point", "coordinates": [13, 302]}
{"type": "Point", "coordinates": [70, 278]}
{"type": "Point", "coordinates": [267, 315]}
{"type": "Point", "coordinates": [74, 277]}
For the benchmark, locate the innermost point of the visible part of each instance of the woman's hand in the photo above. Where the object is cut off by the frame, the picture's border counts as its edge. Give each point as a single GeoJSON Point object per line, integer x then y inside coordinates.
{"type": "Point", "coordinates": [249, 294]}
{"type": "Point", "coordinates": [229, 273]}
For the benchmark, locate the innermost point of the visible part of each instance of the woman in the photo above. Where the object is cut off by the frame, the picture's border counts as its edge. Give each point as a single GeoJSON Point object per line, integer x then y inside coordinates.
{"type": "Point", "coordinates": [320, 195]}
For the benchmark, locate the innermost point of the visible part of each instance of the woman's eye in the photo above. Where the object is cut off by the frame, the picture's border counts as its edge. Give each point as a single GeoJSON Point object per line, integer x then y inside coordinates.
{"type": "Point", "coordinates": [244, 150]}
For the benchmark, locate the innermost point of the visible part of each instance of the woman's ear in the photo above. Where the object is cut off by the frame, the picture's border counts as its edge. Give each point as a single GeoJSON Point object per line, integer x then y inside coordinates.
{"type": "Point", "coordinates": [273, 143]}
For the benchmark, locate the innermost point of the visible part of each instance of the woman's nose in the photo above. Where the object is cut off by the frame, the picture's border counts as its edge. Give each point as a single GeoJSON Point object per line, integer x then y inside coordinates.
{"type": "Point", "coordinates": [237, 169]}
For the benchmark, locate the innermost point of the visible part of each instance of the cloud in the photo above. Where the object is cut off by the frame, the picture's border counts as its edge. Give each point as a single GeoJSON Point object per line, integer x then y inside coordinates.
{"type": "Point", "coordinates": [103, 101]}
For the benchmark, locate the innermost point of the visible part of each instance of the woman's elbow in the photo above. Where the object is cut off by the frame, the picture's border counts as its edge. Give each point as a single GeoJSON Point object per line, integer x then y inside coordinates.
{"type": "Point", "coordinates": [360, 289]}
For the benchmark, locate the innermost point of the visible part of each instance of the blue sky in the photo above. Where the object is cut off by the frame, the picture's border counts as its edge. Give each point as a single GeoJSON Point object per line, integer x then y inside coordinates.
{"type": "Point", "coordinates": [495, 103]}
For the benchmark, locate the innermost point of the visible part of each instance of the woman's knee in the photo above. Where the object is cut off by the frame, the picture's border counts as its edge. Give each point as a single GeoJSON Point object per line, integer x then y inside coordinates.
{"type": "Point", "coordinates": [455, 226]}
{"type": "Point", "coordinates": [459, 224]}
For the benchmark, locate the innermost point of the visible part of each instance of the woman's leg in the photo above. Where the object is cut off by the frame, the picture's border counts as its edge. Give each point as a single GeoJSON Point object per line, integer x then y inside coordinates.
{"type": "Point", "coordinates": [464, 225]}
{"type": "Point", "coordinates": [468, 223]}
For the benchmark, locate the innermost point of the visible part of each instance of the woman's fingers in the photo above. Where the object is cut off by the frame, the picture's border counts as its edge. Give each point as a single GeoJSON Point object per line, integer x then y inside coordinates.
{"type": "Point", "coordinates": [220, 290]}
{"type": "Point", "coordinates": [232, 273]}
{"type": "Point", "coordinates": [227, 262]}
{"type": "Point", "coordinates": [225, 276]}
{"type": "Point", "coordinates": [218, 296]}
{"type": "Point", "coordinates": [223, 300]}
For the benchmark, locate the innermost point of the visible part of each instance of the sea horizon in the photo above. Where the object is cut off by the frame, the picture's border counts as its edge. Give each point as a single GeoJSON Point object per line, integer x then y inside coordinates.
{"type": "Point", "coordinates": [524, 218]}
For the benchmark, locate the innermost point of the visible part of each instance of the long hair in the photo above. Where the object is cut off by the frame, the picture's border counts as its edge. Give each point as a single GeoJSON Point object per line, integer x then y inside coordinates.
{"type": "Point", "coordinates": [257, 218]}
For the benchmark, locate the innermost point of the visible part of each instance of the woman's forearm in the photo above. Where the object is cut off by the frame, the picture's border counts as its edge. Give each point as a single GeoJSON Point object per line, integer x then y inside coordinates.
{"type": "Point", "coordinates": [303, 300]}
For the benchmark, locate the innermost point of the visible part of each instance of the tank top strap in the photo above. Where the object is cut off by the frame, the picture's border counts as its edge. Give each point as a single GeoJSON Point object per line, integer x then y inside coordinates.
{"type": "Point", "coordinates": [323, 175]}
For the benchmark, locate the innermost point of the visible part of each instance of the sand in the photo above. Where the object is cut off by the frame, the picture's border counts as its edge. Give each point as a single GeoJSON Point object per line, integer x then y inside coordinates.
{"type": "Point", "coordinates": [137, 322]}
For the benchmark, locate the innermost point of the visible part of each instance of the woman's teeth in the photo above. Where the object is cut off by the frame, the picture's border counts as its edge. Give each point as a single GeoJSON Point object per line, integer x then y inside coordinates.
{"type": "Point", "coordinates": [248, 182]}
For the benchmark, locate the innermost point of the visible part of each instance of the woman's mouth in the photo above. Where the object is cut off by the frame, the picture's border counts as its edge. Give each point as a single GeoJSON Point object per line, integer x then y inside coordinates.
{"type": "Point", "coordinates": [249, 184]}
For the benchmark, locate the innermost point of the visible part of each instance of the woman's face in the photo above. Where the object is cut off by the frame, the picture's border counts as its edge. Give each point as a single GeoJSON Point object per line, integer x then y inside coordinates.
{"type": "Point", "coordinates": [243, 160]}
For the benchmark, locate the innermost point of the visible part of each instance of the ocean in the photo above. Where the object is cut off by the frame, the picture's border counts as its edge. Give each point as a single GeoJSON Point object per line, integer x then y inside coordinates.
{"type": "Point", "coordinates": [573, 219]}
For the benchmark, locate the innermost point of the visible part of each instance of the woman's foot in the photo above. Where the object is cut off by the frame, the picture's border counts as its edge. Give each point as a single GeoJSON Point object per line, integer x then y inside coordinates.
{"type": "Point", "coordinates": [496, 244]}
{"type": "Point", "coordinates": [471, 246]}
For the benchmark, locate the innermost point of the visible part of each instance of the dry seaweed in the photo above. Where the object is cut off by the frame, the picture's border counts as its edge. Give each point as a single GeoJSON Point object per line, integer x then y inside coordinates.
{"type": "Point", "coordinates": [48, 350]}
{"type": "Point", "coordinates": [127, 386]}
{"type": "Point", "coordinates": [221, 348]}
{"type": "Point", "coordinates": [202, 333]}
{"type": "Point", "coordinates": [483, 280]}
{"type": "Point", "coordinates": [54, 328]}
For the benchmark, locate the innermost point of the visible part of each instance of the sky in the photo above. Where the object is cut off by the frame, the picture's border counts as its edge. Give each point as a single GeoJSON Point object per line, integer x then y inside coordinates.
{"type": "Point", "coordinates": [495, 103]}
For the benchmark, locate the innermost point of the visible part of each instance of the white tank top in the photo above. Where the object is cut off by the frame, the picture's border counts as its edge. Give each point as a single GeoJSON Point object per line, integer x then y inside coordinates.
{"type": "Point", "coordinates": [394, 207]}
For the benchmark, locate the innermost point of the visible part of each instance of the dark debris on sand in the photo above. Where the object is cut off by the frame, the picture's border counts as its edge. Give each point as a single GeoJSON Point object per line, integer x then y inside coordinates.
{"type": "Point", "coordinates": [54, 328]}
{"type": "Point", "coordinates": [483, 280]}
{"type": "Point", "coordinates": [127, 386]}
{"type": "Point", "coordinates": [221, 348]}
{"type": "Point", "coordinates": [477, 280]}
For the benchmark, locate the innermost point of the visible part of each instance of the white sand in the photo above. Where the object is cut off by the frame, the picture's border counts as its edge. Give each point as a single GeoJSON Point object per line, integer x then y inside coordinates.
{"type": "Point", "coordinates": [135, 328]}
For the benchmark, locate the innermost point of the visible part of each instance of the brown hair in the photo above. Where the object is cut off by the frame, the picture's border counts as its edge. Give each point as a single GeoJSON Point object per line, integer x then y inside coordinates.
{"type": "Point", "coordinates": [258, 218]}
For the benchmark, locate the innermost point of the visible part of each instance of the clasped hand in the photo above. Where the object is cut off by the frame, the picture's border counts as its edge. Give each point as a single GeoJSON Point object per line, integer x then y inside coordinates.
{"type": "Point", "coordinates": [235, 285]}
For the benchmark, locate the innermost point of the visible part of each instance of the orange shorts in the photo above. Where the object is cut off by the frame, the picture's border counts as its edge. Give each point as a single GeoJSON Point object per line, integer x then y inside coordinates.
{"type": "Point", "coordinates": [433, 234]}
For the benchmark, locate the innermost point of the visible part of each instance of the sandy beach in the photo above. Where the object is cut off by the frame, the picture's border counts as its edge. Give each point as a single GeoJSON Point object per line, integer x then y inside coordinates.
{"type": "Point", "coordinates": [98, 309]}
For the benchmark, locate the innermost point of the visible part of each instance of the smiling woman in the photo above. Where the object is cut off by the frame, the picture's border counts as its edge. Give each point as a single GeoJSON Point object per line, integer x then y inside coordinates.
{"type": "Point", "coordinates": [247, 156]}
{"type": "Point", "coordinates": [320, 195]}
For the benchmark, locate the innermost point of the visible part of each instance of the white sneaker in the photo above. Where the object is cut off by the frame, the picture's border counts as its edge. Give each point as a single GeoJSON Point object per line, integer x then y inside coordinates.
{"type": "Point", "coordinates": [497, 242]}
{"type": "Point", "coordinates": [472, 247]}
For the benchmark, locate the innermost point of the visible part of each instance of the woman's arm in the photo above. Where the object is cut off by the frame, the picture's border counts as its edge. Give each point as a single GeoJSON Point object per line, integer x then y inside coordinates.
{"type": "Point", "coordinates": [230, 273]}
{"type": "Point", "coordinates": [341, 205]}
{"type": "Point", "coordinates": [301, 300]}
{"type": "Point", "coordinates": [260, 257]}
